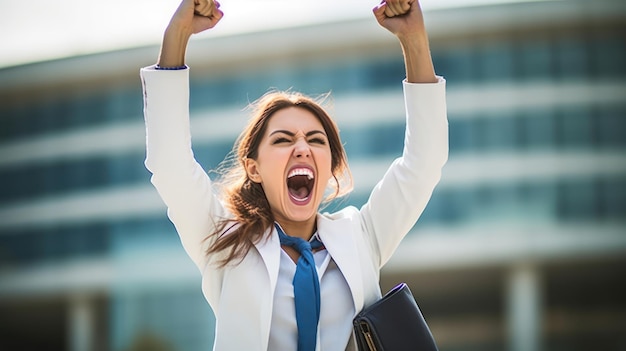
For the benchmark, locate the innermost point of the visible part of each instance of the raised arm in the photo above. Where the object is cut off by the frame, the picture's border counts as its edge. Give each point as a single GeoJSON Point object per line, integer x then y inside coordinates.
{"type": "Point", "coordinates": [191, 17]}
{"type": "Point", "coordinates": [181, 182]}
{"type": "Point", "coordinates": [404, 19]}
{"type": "Point", "coordinates": [401, 196]}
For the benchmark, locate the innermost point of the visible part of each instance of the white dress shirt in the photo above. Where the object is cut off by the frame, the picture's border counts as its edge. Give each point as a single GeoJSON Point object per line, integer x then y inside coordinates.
{"type": "Point", "coordinates": [336, 310]}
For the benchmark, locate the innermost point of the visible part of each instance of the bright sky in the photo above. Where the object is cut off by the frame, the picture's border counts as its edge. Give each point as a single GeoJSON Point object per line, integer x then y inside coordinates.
{"type": "Point", "coordinates": [39, 30]}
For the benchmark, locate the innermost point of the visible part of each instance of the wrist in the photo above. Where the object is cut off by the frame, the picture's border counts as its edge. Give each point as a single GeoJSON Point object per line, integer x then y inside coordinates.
{"type": "Point", "coordinates": [173, 47]}
{"type": "Point", "coordinates": [417, 59]}
{"type": "Point", "coordinates": [177, 31]}
{"type": "Point", "coordinates": [414, 40]}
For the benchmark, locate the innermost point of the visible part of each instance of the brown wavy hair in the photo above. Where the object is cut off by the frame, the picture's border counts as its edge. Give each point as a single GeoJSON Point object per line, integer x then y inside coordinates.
{"type": "Point", "coordinates": [245, 199]}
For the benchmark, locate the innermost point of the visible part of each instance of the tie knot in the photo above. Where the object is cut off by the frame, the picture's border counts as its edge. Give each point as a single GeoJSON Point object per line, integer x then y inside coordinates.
{"type": "Point", "coordinates": [302, 245]}
{"type": "Point", "coordinates": [299, 244]}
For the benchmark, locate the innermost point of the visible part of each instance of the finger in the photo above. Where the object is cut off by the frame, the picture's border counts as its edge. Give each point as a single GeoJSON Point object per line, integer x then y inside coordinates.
{"type": "Point", "coordinates": [389, 12]}
{"type": "Point", "coordinates": [410, 5]}
{"type": "Point", "coordinates": [203, 12]}
{"type": "Point", "coordinates": [379, 11]}
{"type": "Point", "coordinates": [203, 4]}
{"type": "Point", "coordinates": [202, 23]}
{"type": "Point", "coordinates": [399, 7]}
{"type": "Point", "coordinates": [406, 7]}
{"type": "Point", "coordinates": [394, 7]}
{"type": "Point", "coordinates": [217, 15]}
{"type": "Point", "coordinates": [204, 7]}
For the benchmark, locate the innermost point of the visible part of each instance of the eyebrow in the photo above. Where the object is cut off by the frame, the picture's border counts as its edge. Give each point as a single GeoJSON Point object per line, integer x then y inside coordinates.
{"type": "Point", "coordinates": [291, 134]}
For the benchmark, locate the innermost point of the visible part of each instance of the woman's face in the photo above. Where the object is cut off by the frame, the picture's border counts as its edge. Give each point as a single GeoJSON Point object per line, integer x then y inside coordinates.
{"type": "Point", "coordinates": [293, 164]}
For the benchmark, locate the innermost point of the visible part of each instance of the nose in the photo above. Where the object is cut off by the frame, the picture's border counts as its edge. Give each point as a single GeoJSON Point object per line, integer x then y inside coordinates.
{"type": "Point", "coordinates": [301, 149]}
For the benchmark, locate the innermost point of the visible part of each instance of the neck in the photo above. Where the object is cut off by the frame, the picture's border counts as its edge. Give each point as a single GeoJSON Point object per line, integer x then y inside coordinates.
{"type": "Point", "coordinates": [303, 230]}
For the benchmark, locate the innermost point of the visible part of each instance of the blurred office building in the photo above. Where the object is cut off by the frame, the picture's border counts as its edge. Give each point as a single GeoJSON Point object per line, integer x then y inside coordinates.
{"type": "Point", "coordinates": [522, 247]}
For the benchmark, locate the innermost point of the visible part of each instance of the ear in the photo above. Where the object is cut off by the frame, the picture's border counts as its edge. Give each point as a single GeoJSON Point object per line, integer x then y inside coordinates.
{"type": "Point", "coordinates": [252, 170]}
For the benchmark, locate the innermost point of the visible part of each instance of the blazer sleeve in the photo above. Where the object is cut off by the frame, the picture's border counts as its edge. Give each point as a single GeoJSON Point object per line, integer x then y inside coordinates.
{"type": "Point", "coordinates": [181, 182]}
{"type": "Point", "coordinates": [398, 200]}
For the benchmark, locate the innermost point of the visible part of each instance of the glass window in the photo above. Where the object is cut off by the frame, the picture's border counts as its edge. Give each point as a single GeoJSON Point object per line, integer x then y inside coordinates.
{"type": "Point", "coordinates": [88, 109]}
{"type": "Point", "coordinates": [385, 73]}
{"type": "Point", "coordinates": [218, 92]}
{"type": "Point", "coordinates": [88, 173]}
{"type": "Point", "coordinates": [577, 199]}
{"type": "Point", "coordinates": [387, 139]}
{"type": "Point", "coordinates": [8, 193]}
{"type": "Point", "coordinates": [539, 128]}
{"type": "Point", "coordinates": [576, 129]}
{"type": "Point", "coordinates": [53, 243]}
{"type": "Point", "coordinates": [611, 122]}
{"type": "Point", "coordinates": [609, 54]}
{"type": "Point", "coordinates": [374, 140]}
{"type": "Point", "coordinates": [534, 59]}
{"type": "Point", "coordinates": [500, 131]}
{"type": "Point", "coordinates": [354, 78]}
{"type": "Point", "coordinates": [461, 134]}
{"type": "Point", "coordinates": [538, 200]}
{"type": "Point", "coordinates": [211, 155]}
{"type": "Point", "coordinates": [125, 168]}
{"type": "Point", "coordinates": [123, 104]}
{"type": "Point", "coordinates": [354, 144]}
{"type": "Point", "coordinates": [47, 178]}
{"type": "Point", "coordinates": [572, 60]}
{"type": "Point", "coordinates": [458, 64]}
{"type": "Point", "coordinates": [23, 117]}
{"type": "Point", "coordinates": [7, 116]}
{"type": "Point", "coordinates": [613, 194]}
{"type": "Point", "coordinates": [484, 198]}
{"type": "Point", "coordinates": [445, 206]}
{"type": "Point", "coordinates": [480, 130]}
{"type": "Point", "coordinates": [277, 77]}
{"type": "Point", "coordinates": [356, 199]}
{"type": "Point", "coordinates": [140, 234]}
{"type": "Point", "coordinates": [313, 80]}
{"type": "Point", "coordinates": [45, 113]}
{"type": "Point", "coordinates": [495, 61]}
{"type": "Point", "coordinates": [62, 114]}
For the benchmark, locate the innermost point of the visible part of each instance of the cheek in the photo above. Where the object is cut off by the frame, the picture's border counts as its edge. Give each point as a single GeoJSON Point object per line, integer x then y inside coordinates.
{"type": "Point", "coordinates": [271, 162]}
{"type": "Point", "coordinates": [325, 166]}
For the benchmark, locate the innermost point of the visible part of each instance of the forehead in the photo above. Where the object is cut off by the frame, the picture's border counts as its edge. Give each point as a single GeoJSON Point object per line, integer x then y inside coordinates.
{"type": "Point", "coordinates": [294, 119]}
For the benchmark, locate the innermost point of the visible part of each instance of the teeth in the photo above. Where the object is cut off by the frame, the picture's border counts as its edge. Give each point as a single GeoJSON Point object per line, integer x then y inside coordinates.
{"type": "Point", "coordinates": [301, 171]}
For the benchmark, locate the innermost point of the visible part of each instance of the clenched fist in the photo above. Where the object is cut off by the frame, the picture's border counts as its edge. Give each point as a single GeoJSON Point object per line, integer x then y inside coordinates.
{"type": "Point", "coordinates": [204, 8]}
{"type": "Point", "coordinates": [397, 7]}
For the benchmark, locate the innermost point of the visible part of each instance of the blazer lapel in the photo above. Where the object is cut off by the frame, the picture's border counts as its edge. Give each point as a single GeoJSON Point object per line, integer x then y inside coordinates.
{"type": "Point", "coordinates": [269, 249]}
{"type": "Point", "coordinates": [339, 241]}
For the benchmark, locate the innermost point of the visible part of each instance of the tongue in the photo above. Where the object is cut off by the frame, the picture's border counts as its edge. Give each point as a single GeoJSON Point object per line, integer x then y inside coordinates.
{"type": "Point", "coordinates": [300, 193]}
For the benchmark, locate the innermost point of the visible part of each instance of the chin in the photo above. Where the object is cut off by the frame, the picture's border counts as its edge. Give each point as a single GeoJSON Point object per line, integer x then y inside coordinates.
{"type": "Point", "coordinates": [301, 215]}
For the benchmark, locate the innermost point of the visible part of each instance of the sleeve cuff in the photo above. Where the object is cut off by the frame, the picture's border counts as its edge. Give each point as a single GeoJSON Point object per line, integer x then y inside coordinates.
{"type": "Point", "coordinates": [177, 68]}
{"type": "Point", "coordinates": [440, 80]}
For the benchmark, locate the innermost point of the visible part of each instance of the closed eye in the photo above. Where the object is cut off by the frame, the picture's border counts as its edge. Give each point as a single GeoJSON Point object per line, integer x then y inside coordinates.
{"type": "Point", "coordinates": [317, 141]}
{"type": "Point", "coordinates": [280, 140]}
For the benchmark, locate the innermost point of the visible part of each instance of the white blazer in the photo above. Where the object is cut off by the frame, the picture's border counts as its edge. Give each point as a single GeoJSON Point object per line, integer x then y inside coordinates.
{"type": "Point", "coordinates": [360, 241]}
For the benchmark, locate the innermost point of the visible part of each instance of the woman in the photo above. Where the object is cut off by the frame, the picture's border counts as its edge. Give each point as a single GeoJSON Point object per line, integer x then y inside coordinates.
{"type": "Point", "coordinates": [268, 293]}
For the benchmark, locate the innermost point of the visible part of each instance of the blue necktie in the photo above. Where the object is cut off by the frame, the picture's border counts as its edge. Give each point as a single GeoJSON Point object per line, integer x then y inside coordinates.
{"type": "Point", "coordinates": [306, 290]}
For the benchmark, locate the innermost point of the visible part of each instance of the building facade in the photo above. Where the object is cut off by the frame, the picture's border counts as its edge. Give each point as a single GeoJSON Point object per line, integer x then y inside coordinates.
{"type": "Point", "coordinates": [522, 247]}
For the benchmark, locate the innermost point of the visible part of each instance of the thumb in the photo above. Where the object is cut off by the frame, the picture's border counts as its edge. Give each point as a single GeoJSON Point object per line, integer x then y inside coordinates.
{"type": "Point", "coordinates": [379, 12]}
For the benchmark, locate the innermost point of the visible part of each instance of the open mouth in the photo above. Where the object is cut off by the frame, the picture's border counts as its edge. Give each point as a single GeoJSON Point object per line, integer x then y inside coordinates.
{"type": "Point", "coordinates": [300, 181]}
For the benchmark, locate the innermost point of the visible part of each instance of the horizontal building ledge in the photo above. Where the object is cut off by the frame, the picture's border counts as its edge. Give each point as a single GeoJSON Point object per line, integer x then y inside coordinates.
{"type": "Point", "coordinates": [462, 171]}
{"type": "Point", "coordinates": [430, 249]}
{"type": "Point", "coordinates": [350, 111]}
